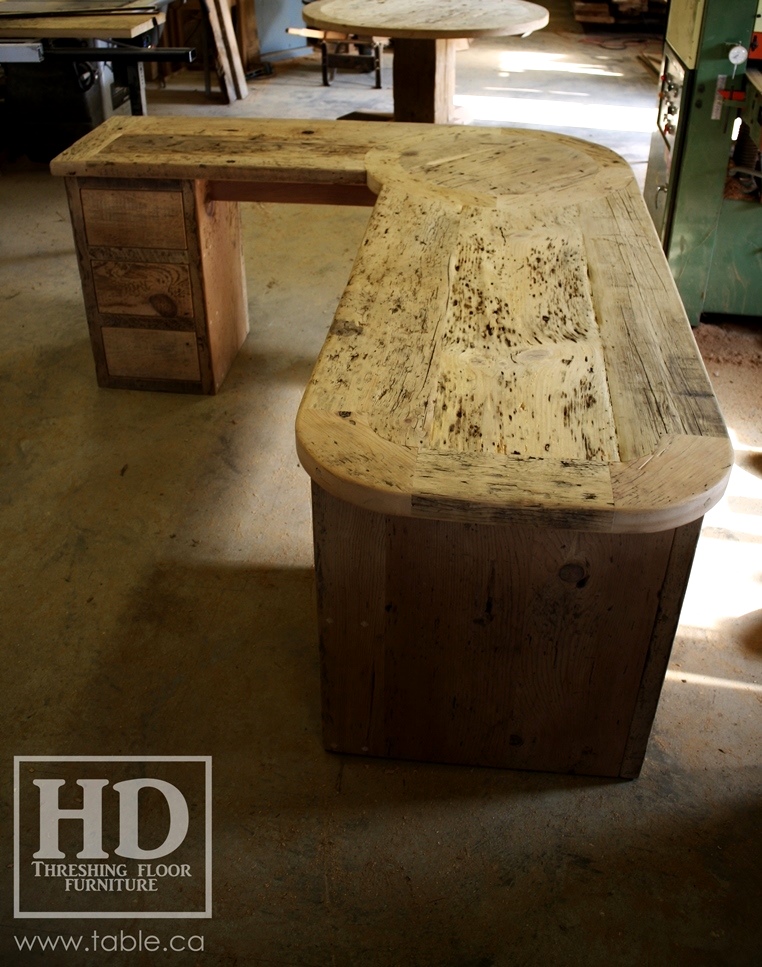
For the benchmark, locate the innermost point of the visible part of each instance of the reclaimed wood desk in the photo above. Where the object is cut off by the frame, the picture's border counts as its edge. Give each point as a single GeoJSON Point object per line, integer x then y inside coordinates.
{"type": "Point", "coordinates": [510, 432]}
{"type": "Point", "coordinates": [425, 34]}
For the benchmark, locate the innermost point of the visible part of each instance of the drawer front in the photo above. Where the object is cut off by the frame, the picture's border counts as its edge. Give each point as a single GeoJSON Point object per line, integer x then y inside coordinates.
{"type": "Point", "coordinates": [151, 353]}
{"type": "Point", "coordinates": [143, 289]}
{"type": "Point", "coordinates": [134, 219]}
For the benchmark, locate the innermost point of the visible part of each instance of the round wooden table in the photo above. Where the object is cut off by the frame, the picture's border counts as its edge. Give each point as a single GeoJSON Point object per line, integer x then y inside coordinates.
{"type": "Point", "coordinates": [425, 33]}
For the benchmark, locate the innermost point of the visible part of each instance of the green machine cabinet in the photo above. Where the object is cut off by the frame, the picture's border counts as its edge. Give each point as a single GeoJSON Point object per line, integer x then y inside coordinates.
{"type": "Point", "coordinates": [703, 181]}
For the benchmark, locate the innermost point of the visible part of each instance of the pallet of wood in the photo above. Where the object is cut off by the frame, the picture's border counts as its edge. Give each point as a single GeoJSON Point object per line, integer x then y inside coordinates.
{"type": "Point", "coordinates": [621, 11]}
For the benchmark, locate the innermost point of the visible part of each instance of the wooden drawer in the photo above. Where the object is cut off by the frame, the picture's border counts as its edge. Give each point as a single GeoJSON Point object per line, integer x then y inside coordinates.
{"type": "Point", "coordinates": [161, 354]}
{"type": "Point", "coordinates": [134, 218]}
{"type": "Point", "coordinates": [143, 289]}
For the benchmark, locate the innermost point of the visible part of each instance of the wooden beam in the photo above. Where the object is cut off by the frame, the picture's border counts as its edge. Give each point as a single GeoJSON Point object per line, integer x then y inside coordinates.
{"type": "Point", "coordinates": [296, 193]}
{"type": "Point", "coordinates": [248, 35]}
{"type": "Point", "coordinates": [424, 80]}
{"type": "Point", "coordinates": [230, 68]}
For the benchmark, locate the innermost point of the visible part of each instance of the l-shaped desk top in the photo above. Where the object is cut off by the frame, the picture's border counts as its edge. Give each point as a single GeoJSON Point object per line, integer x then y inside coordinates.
{"type": "Point", "coordinates": [510, 345]}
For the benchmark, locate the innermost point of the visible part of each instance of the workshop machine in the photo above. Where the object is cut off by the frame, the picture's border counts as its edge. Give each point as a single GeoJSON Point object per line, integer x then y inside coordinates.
{"type": "Point", "coordinates": [57, 90]}
{"type": "Point", "coordinates": [703, 185]}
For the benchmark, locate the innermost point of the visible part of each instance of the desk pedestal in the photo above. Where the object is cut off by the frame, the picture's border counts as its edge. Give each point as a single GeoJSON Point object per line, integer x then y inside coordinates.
{"type": "Point", "coordinates": [163, 281]}
{"type": "Point", "coordinates": [499, 645]}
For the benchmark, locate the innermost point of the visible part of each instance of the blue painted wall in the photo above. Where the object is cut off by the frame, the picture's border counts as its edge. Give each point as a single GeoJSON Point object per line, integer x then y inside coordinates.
{"type": "Point", "coordinates": [273, 17]}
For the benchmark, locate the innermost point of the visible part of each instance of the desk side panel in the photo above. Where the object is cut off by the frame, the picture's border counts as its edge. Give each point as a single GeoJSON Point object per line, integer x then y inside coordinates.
{"type": "Point", "coordinates": [502, 645]}
{"type": "Point", "coordinates": [660, 647]}
{"type": "Point", "coordinates": [222, 274]}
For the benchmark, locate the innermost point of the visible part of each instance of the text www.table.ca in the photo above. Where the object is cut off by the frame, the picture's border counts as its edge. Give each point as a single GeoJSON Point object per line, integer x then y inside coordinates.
{"type": "Point", "coordinates": [123, 941]}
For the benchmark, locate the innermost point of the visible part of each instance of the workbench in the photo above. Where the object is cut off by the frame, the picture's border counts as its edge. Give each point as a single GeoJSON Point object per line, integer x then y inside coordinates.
{"type": "Point", "coordinates": [82, 26]}
{"type": "Point", "coordinates": [27, 40]}
{"type": "Point", "coordinates": [510, 433]}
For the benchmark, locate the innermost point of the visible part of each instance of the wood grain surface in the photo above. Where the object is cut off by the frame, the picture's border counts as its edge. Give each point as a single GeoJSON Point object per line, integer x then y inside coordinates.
{"type": "Point", "coordinates": [119, 218]}
{"type": "Point", "coordinates": [510, 347]}
{"type": "Point", "coordinates": [503, 645]}
{"type": "Point", "coordinates": [92, 26]}
{"type": "Point", "coordinates": [427, 18]}
{"type": "Point", "coordinates": [151, 353]}
{"type": "Point", "coordinates": [143, 289]}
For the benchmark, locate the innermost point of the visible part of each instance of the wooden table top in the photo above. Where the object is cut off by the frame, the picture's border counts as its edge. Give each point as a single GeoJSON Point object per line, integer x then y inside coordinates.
{"type": "Point", "coordinates": [86, 26]}
{"type": "Point", "coordinates": [427, 18]}
{"type": "Point", "coordinates": [510, 345]}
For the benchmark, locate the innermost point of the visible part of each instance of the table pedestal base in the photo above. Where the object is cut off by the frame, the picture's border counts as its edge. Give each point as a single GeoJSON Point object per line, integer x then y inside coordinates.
{"type": "Point", "coordinates": [424, 80]}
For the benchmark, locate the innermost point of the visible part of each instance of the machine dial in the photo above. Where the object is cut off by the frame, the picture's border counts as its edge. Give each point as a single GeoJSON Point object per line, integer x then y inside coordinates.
{"type": "Point", "coordinates": [737, 55]}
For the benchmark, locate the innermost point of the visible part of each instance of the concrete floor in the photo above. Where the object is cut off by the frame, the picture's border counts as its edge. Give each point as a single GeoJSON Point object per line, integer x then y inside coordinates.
{"type": "Point", "coordinates": [157, 594]}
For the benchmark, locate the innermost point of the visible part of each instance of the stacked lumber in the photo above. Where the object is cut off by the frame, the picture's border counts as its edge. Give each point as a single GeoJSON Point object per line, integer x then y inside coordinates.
{"type": "Point", "coordinates": [620, 11]}
{"type": "Point", "coordinates": [229, 66]}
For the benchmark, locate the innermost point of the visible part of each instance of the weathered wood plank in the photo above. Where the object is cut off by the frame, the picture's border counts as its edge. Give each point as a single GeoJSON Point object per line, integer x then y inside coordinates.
{"type": "Point", "coordinates": [161, 353]}
{"type": "Point", "coordinates": [427, 19]}
{"type": "Point", "coordinates": [221, 275]}
{"type": "Point", "coordinates": [231, 47]}
{"type": "Point", "coordinates": [658, 383]}
{"type": "Point", "coordinates": [423, 80]}
{"type": "Point", "coordinates": [671, 596]}
{"type": "Point", "coordinates": [230, 68]}
{"type": "Point", "coordinates": [247, 35]}
{"type": "Point", "coordinates": [118, 218]}
{"type": "Point", "coordinates": [485, 645]}
{"type": "Point", "coordinates": [143, 289]}
{"type": "Point", "coordinates": [120, 26]}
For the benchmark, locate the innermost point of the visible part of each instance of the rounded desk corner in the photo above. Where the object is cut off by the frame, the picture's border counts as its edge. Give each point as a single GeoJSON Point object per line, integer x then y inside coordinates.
{"type": "Point", "coordinates": [346, 458]}
{"type": "Point", "coordinates": [675, 485]}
